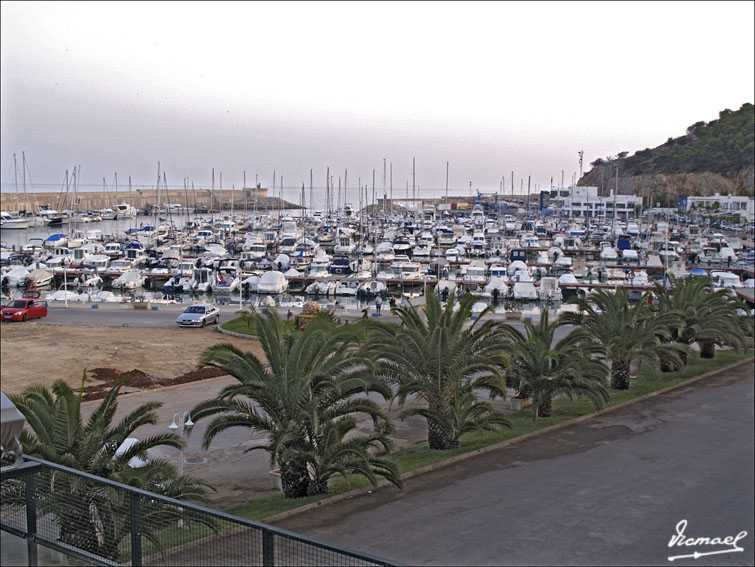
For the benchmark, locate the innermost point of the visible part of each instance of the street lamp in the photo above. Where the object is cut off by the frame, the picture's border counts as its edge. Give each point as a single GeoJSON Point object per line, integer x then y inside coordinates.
{"type": "Point", "coordinates": [184, 422]}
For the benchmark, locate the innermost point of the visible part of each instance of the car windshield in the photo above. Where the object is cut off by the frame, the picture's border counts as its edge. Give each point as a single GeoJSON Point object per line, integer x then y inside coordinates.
{"type": "Point", "coordinates": [17, 304]}
{"type": "Point", "coordinates": [195, 309]}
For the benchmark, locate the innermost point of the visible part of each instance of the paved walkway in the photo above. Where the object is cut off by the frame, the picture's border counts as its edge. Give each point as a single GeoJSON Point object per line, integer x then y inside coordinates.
{"type": "Point", "coordinates": [610, 490]}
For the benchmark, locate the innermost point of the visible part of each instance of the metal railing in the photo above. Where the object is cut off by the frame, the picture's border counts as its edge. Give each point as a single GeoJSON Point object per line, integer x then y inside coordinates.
{"type": "Point", "coordinates": [102, 522]}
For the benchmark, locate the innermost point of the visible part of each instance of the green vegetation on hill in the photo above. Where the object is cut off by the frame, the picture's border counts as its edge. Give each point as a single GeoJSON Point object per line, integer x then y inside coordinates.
{"type": "Point", "coordinates": [724, 146]}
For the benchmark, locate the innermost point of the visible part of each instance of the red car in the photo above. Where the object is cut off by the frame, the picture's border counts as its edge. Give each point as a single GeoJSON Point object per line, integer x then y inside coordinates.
{"type": "Point", "coordinates": [23, 309]}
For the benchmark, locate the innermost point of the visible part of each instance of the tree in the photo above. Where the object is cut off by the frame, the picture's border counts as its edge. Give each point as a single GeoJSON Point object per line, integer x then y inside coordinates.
{"type": "Point", "coordinates": [704, 316]}
{"type": "Point", "coordinates": [305, 398]}
{"type": "Point", "coordinates": [544, 370]}
{"type": "Point", "coordinates": [91, 516]}
{"type": "Point", "coordinates": [435, 358]}
{"type": "Point", "coordinates": [626, 333]}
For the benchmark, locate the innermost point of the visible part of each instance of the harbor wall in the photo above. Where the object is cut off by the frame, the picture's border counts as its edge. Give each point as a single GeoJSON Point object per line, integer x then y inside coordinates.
{"type": "Point", "coordinates": [145, 199]}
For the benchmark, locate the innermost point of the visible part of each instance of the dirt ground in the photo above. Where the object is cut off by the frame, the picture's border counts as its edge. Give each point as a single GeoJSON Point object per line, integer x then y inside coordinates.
{"type": "Point", "coordinates": [40, 353]}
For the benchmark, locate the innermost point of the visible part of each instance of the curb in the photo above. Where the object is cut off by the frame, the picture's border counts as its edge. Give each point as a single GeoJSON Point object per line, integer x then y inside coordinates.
{"type": "Point", "coordinates": [235, 334]}
{"type": "Point", "coordinates": [495, 447]}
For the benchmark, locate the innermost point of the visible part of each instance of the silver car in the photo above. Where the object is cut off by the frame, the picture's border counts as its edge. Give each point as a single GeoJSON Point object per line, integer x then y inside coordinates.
{"type": "Point", "coordinates": [199, 315]}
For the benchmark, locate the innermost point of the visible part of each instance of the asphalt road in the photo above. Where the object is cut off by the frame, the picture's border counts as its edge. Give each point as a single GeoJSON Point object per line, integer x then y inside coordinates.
{"type": "Point", "coordinates": [608, 491]}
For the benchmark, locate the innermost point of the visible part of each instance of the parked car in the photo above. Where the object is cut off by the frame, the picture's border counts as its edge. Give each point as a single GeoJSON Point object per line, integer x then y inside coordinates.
{"type": "Point", "coordinates": [23, 309]}
{"type": "Point", "coordinates": [199, 315]}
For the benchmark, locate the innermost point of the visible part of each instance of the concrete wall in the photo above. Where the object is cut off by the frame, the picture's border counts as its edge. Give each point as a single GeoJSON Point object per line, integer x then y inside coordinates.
{"type": "Point", "coordinates": [140, 198]}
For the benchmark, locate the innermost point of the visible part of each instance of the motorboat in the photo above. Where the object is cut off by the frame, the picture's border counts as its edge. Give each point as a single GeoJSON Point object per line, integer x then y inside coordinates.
{"type": "Point", "coordinates": [371, 288]}
{"type": "Point", "coordinates": [347, 286]}
{"type": "Point", "coordinates": [525, 291]}
{"type": "Point", "coordinates": [272, 282]}
{"type": "Point", "coordinates": [549, 290]}
{"type": "Point", "coordinates": [130, 279]}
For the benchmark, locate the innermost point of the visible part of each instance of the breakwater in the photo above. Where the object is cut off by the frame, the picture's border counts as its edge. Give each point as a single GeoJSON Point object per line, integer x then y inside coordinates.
{"type": "Point", "coordinates": [218, 199]}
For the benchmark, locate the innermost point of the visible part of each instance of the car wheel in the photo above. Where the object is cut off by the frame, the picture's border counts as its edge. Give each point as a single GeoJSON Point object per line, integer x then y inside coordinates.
{"type": "Point", "coordinates": [204, 322]}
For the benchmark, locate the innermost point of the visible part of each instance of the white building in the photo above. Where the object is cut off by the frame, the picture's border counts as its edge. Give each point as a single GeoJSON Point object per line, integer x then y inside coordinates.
{"type": "Point", "coordinates": [585, 202]}
{"type": "Point", "coordinates": [728, 205]}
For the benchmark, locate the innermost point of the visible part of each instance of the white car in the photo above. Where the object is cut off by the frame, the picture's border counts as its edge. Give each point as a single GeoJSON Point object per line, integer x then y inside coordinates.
{"type": "Point", "coordinates": [199, 315]}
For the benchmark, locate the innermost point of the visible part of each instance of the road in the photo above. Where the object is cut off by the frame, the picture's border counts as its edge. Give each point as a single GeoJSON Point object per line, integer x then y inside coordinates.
{"type": "Point", "coordinates": [608, 491]}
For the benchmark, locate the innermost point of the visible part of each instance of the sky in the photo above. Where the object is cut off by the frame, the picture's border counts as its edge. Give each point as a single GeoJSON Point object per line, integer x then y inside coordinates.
{"type": "Point", "coordinates": [478, 90]}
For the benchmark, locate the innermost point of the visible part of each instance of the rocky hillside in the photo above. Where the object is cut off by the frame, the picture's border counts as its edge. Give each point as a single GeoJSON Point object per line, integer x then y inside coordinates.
{"type": "Point", "coordinates": [713, 157]}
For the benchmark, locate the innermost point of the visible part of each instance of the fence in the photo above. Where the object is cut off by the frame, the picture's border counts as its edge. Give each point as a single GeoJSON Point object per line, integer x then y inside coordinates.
{"type": "Point", "coordinates": [97, 521]}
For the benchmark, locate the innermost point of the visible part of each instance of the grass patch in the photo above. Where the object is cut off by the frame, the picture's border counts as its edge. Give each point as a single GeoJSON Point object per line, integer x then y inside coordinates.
{"type": "Point", "coordinates": [237, 326]}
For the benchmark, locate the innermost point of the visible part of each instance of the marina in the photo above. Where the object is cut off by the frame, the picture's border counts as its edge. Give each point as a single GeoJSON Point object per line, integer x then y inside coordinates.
{"type": "Point", "coordinates": [516, 259]}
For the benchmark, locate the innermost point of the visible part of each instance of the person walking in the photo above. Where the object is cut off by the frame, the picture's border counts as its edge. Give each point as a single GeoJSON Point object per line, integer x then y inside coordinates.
{"type": "Point", "coordinates": [378, 304]}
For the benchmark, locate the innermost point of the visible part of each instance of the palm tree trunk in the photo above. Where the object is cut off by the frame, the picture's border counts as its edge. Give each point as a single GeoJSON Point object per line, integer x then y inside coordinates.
{"type": "Point", "coordinates": [684, 356]}
{"type": "Point", "coordinates": [438, 439]}
{"type": "Point", "coordinates": [707, 349]}
{"type": "Point", "coordinates": [668, 365]}
{"type": "Point", "coordinates": [620, 375]}
{"type": "Point", "coordinates": [545, 408]}
{"type": "Point", "coordinates": [295, 479]}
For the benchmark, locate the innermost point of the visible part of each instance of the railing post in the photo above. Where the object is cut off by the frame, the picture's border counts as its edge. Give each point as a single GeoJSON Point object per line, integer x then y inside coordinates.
{"type": "Point", "coordinates": [136, 530]}
{"type": "Point", "coordinates": [268, 548]}
{"type": "Point", "coordinates": [31, 519]}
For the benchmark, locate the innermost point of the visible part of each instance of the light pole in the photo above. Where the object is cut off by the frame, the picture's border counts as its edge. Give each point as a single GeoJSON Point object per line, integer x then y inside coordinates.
{"type": "Point", "coordinates": [185, 422]}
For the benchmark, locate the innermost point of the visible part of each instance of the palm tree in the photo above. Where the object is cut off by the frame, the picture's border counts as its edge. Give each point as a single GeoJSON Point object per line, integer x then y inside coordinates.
{"type": "Point", "coordinates": [625, 332]}
{"type": "Point", "coordinates": [704, 316]}
{"type": "Point", "coordinates": [95, 517]}
{"type": "Point", "coordinates": [305, 398]}
{"type": "Point", "coordinates": [438, 360]}
{"type": "Point", "coordinates": [545, 370]}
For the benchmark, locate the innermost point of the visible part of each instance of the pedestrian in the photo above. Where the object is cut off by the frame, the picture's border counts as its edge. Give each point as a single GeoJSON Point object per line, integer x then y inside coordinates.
{"type": "Point", "coordinates": [378, 304]}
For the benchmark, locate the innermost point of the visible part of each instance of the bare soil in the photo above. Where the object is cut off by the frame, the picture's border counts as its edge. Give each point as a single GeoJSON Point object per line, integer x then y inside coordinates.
{"type": "Point", "coordinates": [40, 353]}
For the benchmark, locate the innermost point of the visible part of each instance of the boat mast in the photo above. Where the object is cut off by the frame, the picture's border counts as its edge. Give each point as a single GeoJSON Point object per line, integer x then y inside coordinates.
{"type": "Point", "coordinates": [15, 178]}
{"type": "Point", "coordinates": [26, 204]}
{"type": "Point", "coordinates": [446, 183]}
{"type": "Point", "coordinates": [157, 200]}
{"type": "Point", "coordinates": [132, 217]}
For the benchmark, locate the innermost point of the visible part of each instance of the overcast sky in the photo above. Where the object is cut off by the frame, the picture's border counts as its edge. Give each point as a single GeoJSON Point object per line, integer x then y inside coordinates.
{"type": "Point", "coordinates": [288, 87]}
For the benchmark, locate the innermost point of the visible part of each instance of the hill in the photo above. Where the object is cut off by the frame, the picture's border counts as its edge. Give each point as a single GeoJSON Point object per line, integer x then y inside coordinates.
{"type": "Point", "coordinates": [718, 156]}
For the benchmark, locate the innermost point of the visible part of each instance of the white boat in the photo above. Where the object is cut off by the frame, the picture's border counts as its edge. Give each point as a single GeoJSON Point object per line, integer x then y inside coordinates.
{"type": "Point", "coordinates": [725, 280]}
{"type": "Point", "coordinates": [107, 297]}
{"type": "Point", "coordinates": [130, 279]}
{"type": "Point", "coordinates": [322, 287]}
{"type": "Point", "coordinates": [474, 275]}
{"type": "Point", "coordinates": [125, 210]}
{"type": "Point", "coordinates": [15, 277]}
{"type": "Point", "coordinates": [347, 286]}
{"type": "Point", "coordinates": [549, 290]}
{"type": "Point", "coordinates": [282, 262]}
{"type": "Point", "coordinates": [525, 291]}
{"type": "Point", "coordinates": [371, 288]}
{"type": "Point", "coordinates": [16, 223]}
{"type": "Point", "coordinates": [225, 280]}
{"type": "Point", "coordinates": [201, 280]}
{"type": "Point", "coordinates": [496, 288]}
{"type": "Point", "coordinates": [272, 282]}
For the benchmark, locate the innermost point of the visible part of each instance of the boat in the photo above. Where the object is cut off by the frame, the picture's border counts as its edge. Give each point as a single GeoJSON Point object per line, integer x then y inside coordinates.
{"type": "Point", "coordinates": [496, 289]}
{"type": "Point", "coordinates": [130, 279]}
{"type": "Point", "coordinates": [347, 286]}
{"type": "Point", "coordinates": [549, 290]}
{"type": "Point", "coordinates": [525, 291]}
{"type": "Point", "coordinates": [15, 223]}
{"type": "Point", "coordinates": [225, 280]}
{"type": "Point", "coordinates": [272, 282]}
{"type": "Point", "coordinates": [371, 288]}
